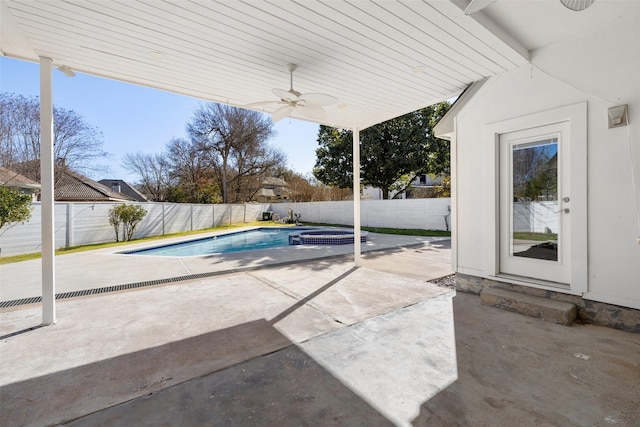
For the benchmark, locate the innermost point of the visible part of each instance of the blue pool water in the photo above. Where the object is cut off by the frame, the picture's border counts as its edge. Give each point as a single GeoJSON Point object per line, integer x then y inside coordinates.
{"type": "Point", "coordinates": [259, 238]}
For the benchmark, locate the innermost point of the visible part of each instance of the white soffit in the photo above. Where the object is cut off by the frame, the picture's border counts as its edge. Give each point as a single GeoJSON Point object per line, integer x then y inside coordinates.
{"type": "Point", "coordinates": [362, 52]}
{"type": "Point", "coordinates": [539, 23]}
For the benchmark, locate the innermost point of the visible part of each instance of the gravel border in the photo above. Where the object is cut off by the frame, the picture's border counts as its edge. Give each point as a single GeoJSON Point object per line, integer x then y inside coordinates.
{"type": "Point", "coordinates": [445, 282]}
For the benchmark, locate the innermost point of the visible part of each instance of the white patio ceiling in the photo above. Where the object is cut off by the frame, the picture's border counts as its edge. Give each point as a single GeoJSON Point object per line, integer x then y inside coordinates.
{"type": "Point", "coordinates": [235, 52]}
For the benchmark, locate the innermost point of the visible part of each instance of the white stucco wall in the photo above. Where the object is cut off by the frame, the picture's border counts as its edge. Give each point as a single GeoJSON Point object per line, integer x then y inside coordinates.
{"type": "Point", "coordinates": [602, 69]}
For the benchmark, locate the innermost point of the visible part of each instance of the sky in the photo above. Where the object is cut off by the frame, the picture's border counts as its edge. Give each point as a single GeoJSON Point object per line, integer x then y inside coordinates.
{"type": "Point", "coordinates": [135, 118]}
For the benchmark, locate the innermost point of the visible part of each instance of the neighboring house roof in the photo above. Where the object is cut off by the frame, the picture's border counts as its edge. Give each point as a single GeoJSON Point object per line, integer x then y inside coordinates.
{"type": "Point", "coordinates": [11, 179]}
{"type": "Point", "coordinates": [272, 188]}
{"type": "Point", "coordinates": [78, 188]}
{"type": "Point", "coordinates": [265, 192]}
{"type": "Point", "coordinates": [124, 189]}
{"type": "Point", "coordinates": [271, 181]}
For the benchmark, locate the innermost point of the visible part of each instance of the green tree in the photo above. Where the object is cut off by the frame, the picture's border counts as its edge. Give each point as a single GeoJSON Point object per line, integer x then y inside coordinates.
{"type": "Point", "coordinates": [127, 215]}
{"type": "Point", "coordinates": [444, 189]}
{"type": "Point", "coordinates": [115, 221]}
{"type": "Point", "coordinates": [334, 157]}
{"type": "Point", "coordinates": [15, 207]}
{"type": "Point", "coordinates": [392, 153]}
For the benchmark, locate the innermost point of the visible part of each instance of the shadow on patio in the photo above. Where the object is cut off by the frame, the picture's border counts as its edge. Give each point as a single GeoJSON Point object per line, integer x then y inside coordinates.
{"type": "Point", "coordinates": [233, 376]}
{"type": "Point", "coordinates": [271, 347]}
{"type": "Point", "coordinates": [517, 370]}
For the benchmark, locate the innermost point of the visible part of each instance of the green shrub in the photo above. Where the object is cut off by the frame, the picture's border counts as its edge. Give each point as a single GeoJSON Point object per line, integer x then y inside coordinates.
{"type": "Point", "coordinates": [15, 207]}
{"type": "Point", "coordinates": [127, 215]}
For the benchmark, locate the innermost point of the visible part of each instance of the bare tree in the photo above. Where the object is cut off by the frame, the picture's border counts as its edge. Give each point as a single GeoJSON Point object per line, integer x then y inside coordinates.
{"type": "Point", "coordinates": [252, 163]}
{"type": "Point", "coordinates": [77, 144]}
{"type": "Point", "coordinates": [307, 188]}
{"type": "Point", "coordinates": [190, 168]}
{"type": "Point", "coordinates": [153, 170]}
{"type": "Point", "coordinates": [236, 142]}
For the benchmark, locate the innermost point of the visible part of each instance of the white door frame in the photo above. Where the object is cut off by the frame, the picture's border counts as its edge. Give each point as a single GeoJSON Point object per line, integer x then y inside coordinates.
{"type": "Point", "coordinates": [557, 270]}
{"type": "Point", "coordinates": [576, 115]}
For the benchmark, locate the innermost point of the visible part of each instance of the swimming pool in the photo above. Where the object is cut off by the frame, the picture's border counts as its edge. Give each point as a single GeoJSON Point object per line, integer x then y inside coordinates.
{"type": "Point", "coordinates": [259, 238]}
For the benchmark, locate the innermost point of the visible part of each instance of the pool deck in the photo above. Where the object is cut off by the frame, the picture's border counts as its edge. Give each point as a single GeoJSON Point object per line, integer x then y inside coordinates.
{"type": "Point", "coordinates": [106, 267]}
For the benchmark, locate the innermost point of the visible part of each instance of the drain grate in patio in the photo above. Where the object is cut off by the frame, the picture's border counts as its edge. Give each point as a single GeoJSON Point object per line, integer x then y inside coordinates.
{"type": "Point", "coordinates": [127, 286]}
{"type": "Point", "coordinates": [107, 289]}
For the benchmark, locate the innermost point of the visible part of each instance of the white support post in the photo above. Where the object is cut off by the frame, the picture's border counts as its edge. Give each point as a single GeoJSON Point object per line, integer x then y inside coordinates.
{"type": "Point", "coordinates": [357, 246]}
{"type": "Point", "coordinates": [453, 218]}
{"type": "Point", "coordinates": [46, 180]}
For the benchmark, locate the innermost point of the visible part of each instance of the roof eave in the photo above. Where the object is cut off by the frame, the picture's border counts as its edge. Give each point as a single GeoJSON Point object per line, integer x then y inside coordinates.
{"type": "Point", "coordinates": [444, 128]}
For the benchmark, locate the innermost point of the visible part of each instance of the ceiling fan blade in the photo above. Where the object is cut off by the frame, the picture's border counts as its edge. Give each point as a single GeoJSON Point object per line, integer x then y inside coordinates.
{"type": "Point", "coordinates": [318, 99]}
{"type": "Point", "coordinates": [476, 5]}
{"type": "Point", "coordinates": [285, 94]}
{"type": "Point", "coordinates": [281, 113]}
{"type": "Point", "coordinates": [263, 103]}
{"type": "Point", "coordinates": [312, 111]}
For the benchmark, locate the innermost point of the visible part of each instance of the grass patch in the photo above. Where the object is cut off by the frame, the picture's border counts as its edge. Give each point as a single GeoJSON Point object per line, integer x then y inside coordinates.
{"type": "Point", "coordinates": [19, 258]}
{"type": "Point", "coordinates": [90, 247]}
{"type": "Point", "coordinates": [399, 231]}
{"type": "Point", "coordinates": [539, 237]}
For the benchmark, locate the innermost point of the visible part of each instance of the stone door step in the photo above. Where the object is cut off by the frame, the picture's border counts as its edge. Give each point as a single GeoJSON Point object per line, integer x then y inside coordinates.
{"type": "Point", "coordinates": [555, 311]}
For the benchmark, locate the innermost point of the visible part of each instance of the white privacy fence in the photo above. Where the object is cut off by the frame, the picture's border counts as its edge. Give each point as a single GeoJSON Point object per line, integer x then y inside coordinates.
{"type": "Point", "coordinates": [535, 217]}
{"type": "Point", "coordinates": [422, 214]}
{"type": "Point", "coordinates": [82, 223]}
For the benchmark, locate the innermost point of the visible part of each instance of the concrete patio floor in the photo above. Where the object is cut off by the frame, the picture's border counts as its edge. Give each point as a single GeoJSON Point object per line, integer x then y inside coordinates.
{"type": "Point", "coordinates": [311, 343]}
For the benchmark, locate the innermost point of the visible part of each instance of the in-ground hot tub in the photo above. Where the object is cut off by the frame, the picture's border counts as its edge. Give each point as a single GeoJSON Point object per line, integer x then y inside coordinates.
{"type": "Point", "coordinates": [325, 237]}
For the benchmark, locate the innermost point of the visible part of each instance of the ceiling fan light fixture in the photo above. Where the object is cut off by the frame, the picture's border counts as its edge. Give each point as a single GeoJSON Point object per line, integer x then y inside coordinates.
{"type": "Point", "coordinates": [577, 5]}
{"type": "Point", "coordinates": [307, 104]}
{"type": "Point", "coordinates": [66, 70]}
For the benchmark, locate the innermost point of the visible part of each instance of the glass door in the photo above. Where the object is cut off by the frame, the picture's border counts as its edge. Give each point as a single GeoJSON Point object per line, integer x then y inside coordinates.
{"type": "Point", "coordinates": [534, 204]}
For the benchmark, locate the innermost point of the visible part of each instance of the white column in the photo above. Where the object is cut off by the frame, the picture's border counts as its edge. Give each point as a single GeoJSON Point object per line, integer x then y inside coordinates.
{"type": "Point", "coordinates": [453, 218]}
{"type": "Point", "coordinates": [46, 181]}
{"type": "Point", "coordinates": [357, 246]}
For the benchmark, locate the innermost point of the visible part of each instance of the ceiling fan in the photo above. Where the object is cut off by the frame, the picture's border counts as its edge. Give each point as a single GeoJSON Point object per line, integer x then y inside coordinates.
{"type": "Point", "coordinates": [575, 5]}
{"type": "Point", "coordinates": [307, 104]}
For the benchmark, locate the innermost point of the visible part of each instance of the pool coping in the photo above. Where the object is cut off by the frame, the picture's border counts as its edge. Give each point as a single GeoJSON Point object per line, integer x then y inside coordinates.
{"type": "Point", "coordinates": [298, 229]}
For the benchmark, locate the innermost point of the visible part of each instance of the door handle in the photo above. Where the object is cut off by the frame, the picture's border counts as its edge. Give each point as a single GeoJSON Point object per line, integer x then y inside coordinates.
{"type": "Point", "coordinates": [565, 210]}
